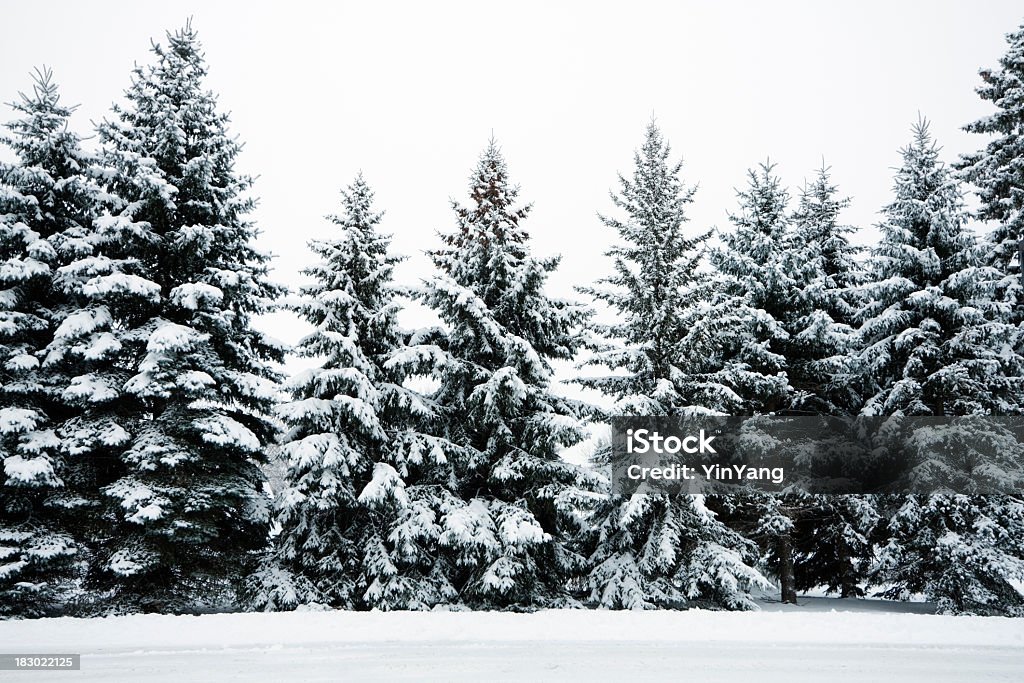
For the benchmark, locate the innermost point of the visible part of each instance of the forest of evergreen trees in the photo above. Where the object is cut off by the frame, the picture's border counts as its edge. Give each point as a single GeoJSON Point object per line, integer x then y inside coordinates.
{"type": "Point", "coordinates": [140, 405]}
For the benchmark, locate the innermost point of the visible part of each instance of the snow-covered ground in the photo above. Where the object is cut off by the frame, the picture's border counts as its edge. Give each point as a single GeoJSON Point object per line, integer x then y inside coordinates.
{"type": "Point", "coordinates": [821, 640]}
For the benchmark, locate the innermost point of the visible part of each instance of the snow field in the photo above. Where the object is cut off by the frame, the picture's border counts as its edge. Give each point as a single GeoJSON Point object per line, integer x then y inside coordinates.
{"type": "Point", "coordinates": [790, 644]}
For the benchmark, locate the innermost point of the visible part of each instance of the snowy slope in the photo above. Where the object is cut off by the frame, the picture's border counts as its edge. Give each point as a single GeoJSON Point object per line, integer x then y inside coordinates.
{"type": "Point", "coordinates": [852, 643]}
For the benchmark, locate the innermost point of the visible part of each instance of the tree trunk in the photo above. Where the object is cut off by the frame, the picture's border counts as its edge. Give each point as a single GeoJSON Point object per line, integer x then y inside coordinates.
{"type": "Point", "coordinates": [787, 579]}
{"type": "Point", "coordinates": [847, 581]}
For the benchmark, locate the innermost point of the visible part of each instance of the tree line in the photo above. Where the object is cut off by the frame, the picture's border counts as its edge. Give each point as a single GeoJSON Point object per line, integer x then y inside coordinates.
{"type": "Point", "coordinates": [139, 403]}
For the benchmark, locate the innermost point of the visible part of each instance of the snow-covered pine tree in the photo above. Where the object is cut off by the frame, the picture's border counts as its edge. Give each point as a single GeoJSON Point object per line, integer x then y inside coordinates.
{"type": "Point", "coordinates": [653, 551]}
{"type": "Point", "coordinates": [831, 533]}
{"type": "Point", "coordinates": [821, 317]}
{"type": "Point", "coordinates": [759, 273]}
{"type": "Point", "coordinates": [997, 171]}
{"type": "Point", "coordinates": [933, 334]}
{"type": "Point", "coordinates": [47, 205]}
{"type": "Point", "coordinates": [757, 269]}
{"type": "Point", "coordinates": [509, 514]}
{"type": "Point", "coordinates": [963, 552]}
{"type": "Point", "coordinates": [939, 342]}
{"type": "Point", "coordinates": [189, 395]}
{"type": "Point", "coordinates": [349, 534]}
{"type": "Point", "coordinates": [660, 293]}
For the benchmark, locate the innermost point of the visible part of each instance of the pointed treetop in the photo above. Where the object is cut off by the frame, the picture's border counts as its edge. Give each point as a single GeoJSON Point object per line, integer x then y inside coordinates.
{"type": "Point", "coordinates": [181, 61]}
{"type": "Point", "coordinates": [493, 214]}
{"type": "Point", "coordinates": [357, 199]}
{"type": "Point", "coordinates": [922, 133]}
{"type": "Point", "coordinates": [763, 202]}
{"type": "Point", "coordinates": [922, 169]}
{"type": "Point", "coordinates": [43, 106]}
{"type": "Point", "coordinates": [818, 200]}
{"type": "Point", "coordinates": [655, 197]}
{"type": "Point", "coordinates": [489, 180]}
{"type": "Point", "coordinates": [822, 178]}
{"type": "Point", "coordinates": [654, 146]}
{"type": "Point", "coordinates": [44, 89]}
{"type": "Point", "coordinates": [652, 168]}
{"type": "Point", "coordinates": [185, 41]}
{"type": "Point", "coordinates": [926, 215]}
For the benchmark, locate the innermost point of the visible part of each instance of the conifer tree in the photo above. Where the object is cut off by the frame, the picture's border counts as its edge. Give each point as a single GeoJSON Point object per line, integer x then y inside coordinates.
{"type": "Point", "coordinates": [963, 552]}
{"type": "Point", "coordinates": [661, 294]}
{"type": "Point", "coordinates": [933, 333]}
{"type": "Point", "coordinates": [183, 406]}
{"type": "Point", "coordinates": [348, 515]}
{"type": "Point", "coordinates": [48, 202]}
{"type": "Point", "coordinates": [938, 342]}
{"type": "Point", "coordinates": [759, 272]}
{"type": "Point", "coordinates": [757, 280]}
{"type": "Point", "coordinates": [831, 533]}
{"type": "Point", "coordinates": [657, 550]}
{"type": "Point", "coordinates": [998, 172]}
{"type": "Point", "coordinates": [821, 320]}
{"type": "Point", "coordinates": [508, 516]}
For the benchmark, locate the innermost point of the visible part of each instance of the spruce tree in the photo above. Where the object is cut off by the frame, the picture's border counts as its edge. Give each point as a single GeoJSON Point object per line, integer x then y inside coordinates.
{"type": "Point", "coordinates": [822, 316]}
{"type": "Point", "coordinates": [186, 401]}
{"type": "Point", "coordinates": [509, 513]}
{"type": "Point", "coordinates": [963, 552]}
{"type": "Point", "coordinates": [938, 342]}
{"type": "Point", "coordinates": [997, 171]}
{"type": "Point", "coordinates": [759, 271]}
{"type": "Point", "coordinates": [349, 513]}
{"type": "Point", "coordinates": [933, 333]}
{"type": "Point", "coordinates": [757, 280]}
{"type": "Point", "coordinates": [660, 293]}
{"type": "Point", "coordinates": [656, 550]}
{"type": "Point", "coordinates": [831, 533]}
{"type": "Point", "coordinates": [48, 202]}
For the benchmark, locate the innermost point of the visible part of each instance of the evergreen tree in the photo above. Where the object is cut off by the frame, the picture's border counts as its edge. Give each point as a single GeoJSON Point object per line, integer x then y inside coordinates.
{"type": "Point", "coordinates": [183, 406]}
{"type": "Point", "coordinates": [669, 551]}
{"type": "Point", "coordinates": [998, 172]}
{"type": "Point", "coordinates": [654, 550]}
{"type": "Point", "coordinates": [759, 272]}
{"type": "Point", "coordinates": [963, 552]}
{"type": "Point", "coordinates": [756, 269]}
{"type": "Point", "coordinates": [933, 333]}
{"type": "Point", "coordinates": [661, 295]}
{"type": "Point", "coordinates": [510, 510]}
{"type": "Point", "coordinates": [820, 322]}
{"type": "Point", "coordinates": [831, 533]}
{"type": "Point", "coordinates": [938, 342]}
{"type": "Point", "coordinates": [48, 201]}
{"type": "Point", "coordinates": [349, 512]}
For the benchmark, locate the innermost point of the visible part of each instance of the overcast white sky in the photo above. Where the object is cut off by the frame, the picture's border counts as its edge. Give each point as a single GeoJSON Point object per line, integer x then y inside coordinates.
{"type": "Point", "coordinates": [410, 93]}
